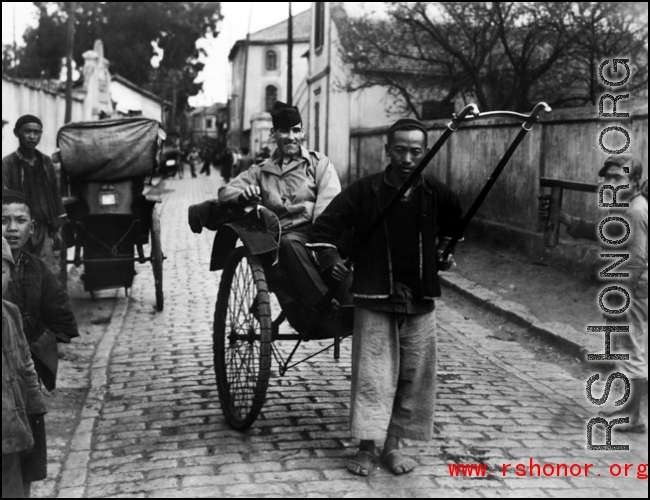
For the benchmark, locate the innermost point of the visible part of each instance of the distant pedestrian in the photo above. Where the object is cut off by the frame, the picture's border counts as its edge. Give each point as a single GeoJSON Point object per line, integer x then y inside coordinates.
{"type": "Point", "coordinates": [41, 298]}
{"type": "Point", "coordinates": [193, 159]}
{"type": "Point", "coordinates": [32, 173]}
{"type": "Point", "coordinates": [618, 170]}
{"type": "Point", "coordinates": [227, 163]}
{"type": "Point", "coordinates": [395, 282]}
{"type": "Point", "coordinates": [23, 410]}
{"type": "Point", "coordinates": [207, 162]}
{"type": "Point", "coordinates": [245, 162]}
{"type": "Point", "coordinates": [263, 155]}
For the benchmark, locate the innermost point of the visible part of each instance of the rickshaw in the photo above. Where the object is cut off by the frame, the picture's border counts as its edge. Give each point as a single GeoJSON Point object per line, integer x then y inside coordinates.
{"type": "Point", "coordinates": [105, 166]}
{"type": "Point", "coordinates": [245, 249]}
{"type": "Point", "coordinates": [171, 165]}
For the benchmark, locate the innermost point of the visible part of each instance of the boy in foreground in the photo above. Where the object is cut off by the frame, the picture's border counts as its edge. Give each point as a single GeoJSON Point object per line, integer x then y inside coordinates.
{"type": "Point", "coordinates": [42, 300]}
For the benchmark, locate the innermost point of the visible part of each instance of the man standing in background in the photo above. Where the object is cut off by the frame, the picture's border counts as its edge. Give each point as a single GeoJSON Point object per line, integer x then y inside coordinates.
{"type": "Point", "coordinates": [32, 173]}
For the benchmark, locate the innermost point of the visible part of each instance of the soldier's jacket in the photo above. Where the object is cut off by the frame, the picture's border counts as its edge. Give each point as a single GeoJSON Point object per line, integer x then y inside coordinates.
{"type": "Point", "coordinates": [297, 193]}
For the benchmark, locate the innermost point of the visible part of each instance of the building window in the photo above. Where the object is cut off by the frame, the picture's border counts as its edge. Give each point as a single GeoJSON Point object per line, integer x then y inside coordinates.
{"type": "Point", "coordinates": [208, 123]}
{"type": "Point", "coordinates": [271, 97]}
{"type": "Point", "coordinates": [319, 36]}
{"type": "Point", "coordinates": [271, 60]}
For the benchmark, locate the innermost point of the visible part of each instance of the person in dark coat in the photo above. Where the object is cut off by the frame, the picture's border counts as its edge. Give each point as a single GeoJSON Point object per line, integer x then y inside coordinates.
{"type": "Point", "coordinates": [24, 456]}
{"type": "Point", "coordinates": [228, 161]}
{"type": "Point", "coordinates": [207, 158]}
{"type": "Point", "coordinates": [32, 173]}
{"type": "Point", "coordinates": [42, 300]}
{"type": "Point", "coordinates": [394, 286]}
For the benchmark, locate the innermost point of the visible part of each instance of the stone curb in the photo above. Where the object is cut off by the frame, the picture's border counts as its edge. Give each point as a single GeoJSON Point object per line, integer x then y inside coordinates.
{"type": "Point", "coordinates": [75, 468]}
{"type": "Point", "coordinates": [570, 340]}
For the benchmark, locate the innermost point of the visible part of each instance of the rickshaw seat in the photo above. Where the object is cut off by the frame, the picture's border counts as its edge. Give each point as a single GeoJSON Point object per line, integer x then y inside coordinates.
{"type": "Point", "coordinates": [232, 223]}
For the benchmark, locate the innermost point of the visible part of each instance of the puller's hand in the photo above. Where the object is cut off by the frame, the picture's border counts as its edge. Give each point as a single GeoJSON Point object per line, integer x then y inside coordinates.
{"type": "Point", "coordinates": [446, 264]}
{"type": "Point", "coordinates": [340, 271]}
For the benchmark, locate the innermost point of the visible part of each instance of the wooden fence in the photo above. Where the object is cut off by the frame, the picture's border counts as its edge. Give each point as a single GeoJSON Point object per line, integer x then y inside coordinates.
{"type": "Point", "coordinates": [563, 146]}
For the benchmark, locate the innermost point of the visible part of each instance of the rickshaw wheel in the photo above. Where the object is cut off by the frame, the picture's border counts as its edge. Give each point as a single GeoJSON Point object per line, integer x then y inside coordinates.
{"type": "Point", "coordinates": [242, 339]}
{"type": "Point", "coordinates": [157, 259]}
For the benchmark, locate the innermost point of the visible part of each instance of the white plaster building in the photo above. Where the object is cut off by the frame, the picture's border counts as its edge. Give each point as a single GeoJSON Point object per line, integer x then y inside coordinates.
{"type": "Point", "coordinates": [259, 78]}
{"type": "Point", "coordinates": [131, 100]}
{"type": "Point", "coordinates": [330, 113]}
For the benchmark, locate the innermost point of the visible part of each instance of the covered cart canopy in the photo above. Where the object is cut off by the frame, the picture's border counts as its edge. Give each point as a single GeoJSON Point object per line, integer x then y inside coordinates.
{"type": "Point", "coordinates": [110, 149]}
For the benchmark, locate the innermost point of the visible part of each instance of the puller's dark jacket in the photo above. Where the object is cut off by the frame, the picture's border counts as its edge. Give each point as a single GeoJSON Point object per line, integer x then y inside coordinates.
{"type": "Point", "coordinates": [359, 205]}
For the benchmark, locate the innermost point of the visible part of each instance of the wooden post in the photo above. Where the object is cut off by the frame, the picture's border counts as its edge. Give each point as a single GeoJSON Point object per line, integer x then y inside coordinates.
{"type": "Point", "coordinates": [552, 232]}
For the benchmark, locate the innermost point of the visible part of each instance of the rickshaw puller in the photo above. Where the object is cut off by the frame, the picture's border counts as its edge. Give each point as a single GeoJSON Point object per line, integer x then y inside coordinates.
{"type": "Point", "coordinates": [296, 184]}
{"type": "Point", "coordinates": [32, 173]}
{"type": "Point", "coordinates": [394, 286]}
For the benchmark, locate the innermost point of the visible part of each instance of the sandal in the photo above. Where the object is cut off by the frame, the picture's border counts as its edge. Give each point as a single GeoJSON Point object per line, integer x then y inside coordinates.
{"type": "Point", "coordinates": [398, 460]}
{"type": "Point", "coordinates": [364, 468]}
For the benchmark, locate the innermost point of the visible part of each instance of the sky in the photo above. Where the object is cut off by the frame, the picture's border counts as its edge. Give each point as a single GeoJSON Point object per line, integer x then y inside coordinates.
{"type": "Point", "coordinates": [216, 76]}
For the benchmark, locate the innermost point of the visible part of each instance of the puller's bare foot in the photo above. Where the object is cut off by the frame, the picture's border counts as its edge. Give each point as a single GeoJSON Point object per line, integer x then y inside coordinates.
{"type": "Point", "coordinates": [397, 463]}
{"type": "Point", "coordinates": [363, 463]}
{"type": "Point", "coordinates": [393, 459]}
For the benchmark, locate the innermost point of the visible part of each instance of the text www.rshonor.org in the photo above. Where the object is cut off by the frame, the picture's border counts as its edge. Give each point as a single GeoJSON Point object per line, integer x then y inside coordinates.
{"type": "Point", "coordinates": [534, 469]}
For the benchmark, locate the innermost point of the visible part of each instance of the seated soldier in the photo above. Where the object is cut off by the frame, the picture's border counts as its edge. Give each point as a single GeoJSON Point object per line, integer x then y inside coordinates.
{"type": "Point", "coordinates": [296, 184]}
{"type": "Point", "coordinates": [42, 300]}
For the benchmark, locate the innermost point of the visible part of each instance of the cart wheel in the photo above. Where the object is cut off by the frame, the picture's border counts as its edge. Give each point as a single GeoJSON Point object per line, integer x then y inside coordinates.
{"type": "Point", "coordinates": [157, 259]}
{"type": "Point", "coordinates": [242, 339]}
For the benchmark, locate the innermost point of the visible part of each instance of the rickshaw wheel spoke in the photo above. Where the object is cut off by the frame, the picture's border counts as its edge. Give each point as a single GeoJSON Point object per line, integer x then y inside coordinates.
{"type": "Point", "coordinates": [242, 339]}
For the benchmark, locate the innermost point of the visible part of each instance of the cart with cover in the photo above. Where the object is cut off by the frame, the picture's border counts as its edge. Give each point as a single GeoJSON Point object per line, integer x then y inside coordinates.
{"type": "Point", "coordinates": [105, 167]}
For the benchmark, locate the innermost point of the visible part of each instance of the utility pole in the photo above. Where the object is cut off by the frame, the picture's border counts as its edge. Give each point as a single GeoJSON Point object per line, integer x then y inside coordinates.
{"type": "Point", "coordinates": [14, 63]}
{"type": "Point", "coordinates": [72, 17]}
{"type": "Point", "coordinates": [290, 60]}
{"type": "Point", "coordinates": [242, 114]}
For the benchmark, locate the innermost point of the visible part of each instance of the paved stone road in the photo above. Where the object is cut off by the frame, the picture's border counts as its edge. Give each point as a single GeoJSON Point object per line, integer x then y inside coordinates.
{"type": "Point", "coordinates": [156, 429]}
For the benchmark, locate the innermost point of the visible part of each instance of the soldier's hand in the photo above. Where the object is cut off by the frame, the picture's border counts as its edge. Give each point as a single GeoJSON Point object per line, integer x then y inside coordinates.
{"type": "Point", "coordinates": [251, 192]}
{"type": "Point", "coordinates": [340, 271]}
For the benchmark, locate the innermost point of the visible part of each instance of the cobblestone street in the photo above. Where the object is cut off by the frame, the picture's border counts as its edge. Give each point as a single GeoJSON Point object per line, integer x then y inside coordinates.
{"type": "Point", "coordinates": [152, 425]}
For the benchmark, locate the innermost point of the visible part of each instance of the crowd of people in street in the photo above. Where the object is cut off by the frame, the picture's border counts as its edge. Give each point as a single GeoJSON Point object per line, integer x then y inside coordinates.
{"type": "Point", "coordinates": [230, 162]}
{"type": "Point", "coordinates": [393, 286]}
